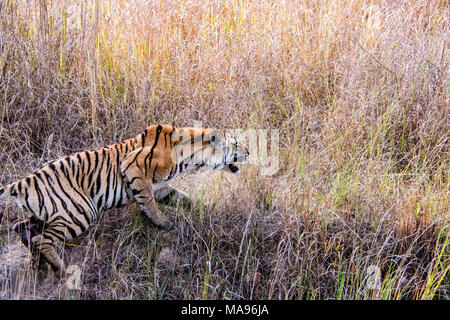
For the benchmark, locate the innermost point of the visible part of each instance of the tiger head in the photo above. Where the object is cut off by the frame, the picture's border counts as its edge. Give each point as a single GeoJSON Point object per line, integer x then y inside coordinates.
{"type": "Point", "coordinates": [228, 153]}
{"type": "Point", "coordinates": [207, 148]}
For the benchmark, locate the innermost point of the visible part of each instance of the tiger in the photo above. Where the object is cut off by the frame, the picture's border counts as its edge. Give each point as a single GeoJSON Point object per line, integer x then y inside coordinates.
{"type": "Point", "coordinates": [65, 196]}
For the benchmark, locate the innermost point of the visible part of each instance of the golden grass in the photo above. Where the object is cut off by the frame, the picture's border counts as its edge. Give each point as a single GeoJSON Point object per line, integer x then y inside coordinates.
{"type": "Point", "coordinates": [359, 91]}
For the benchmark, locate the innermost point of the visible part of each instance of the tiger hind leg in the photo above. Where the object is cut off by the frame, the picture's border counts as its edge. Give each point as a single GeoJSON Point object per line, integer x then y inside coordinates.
{"type": "Point", "coordinates": [46, 244]}
{"type": "Point", "coordinates": [46, 248]}
{"type": "Point", "coordinates": [26, 230]}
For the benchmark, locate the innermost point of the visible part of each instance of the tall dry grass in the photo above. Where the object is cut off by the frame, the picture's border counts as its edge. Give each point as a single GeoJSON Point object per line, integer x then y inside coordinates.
{"type": "Point", "coordinates": [358, 89]}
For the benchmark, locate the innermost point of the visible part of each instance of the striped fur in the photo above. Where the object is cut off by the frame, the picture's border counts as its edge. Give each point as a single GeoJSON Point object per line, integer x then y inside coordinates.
{"type": "Point", "coordinates": [66, 195]}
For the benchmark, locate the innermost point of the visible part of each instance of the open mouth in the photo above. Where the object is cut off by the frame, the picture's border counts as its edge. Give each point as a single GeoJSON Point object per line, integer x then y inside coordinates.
{"type": "Point", "coordinates": [233, 168]}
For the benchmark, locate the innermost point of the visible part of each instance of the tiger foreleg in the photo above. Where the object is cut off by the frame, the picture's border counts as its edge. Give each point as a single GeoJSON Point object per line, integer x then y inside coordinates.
{"type": "Point", "coordinates": [139, 176]}
{"type": "Point", "coordinates": [144, 195]}
{"type": "Point", "coordinates": [146, 200]}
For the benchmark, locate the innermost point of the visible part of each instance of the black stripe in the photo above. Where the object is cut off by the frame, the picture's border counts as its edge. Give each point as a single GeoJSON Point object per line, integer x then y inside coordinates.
{"type": "Point", "coordinates": [131, 162]}
{"type": "Point", "coordinates": [200, 165]}
{"type": "Point", "coordinates": [27, 203]}
{"type": "Point", "coordinates": [59, 235]}
{"type": "Point", "coordinates": [94, 170]}
{"type": "Point", "coordinates": [72, 164]}
{"type": "Point", "coordinates": [52, 166]}
{"type": "Point", "coordinates": [99, 202]}
{"type": "Point", "coordinates": [132, 180]}
{"type": "Point", "coordinates": [39, 194]}
{"type": "Point", "coordinates": [13, 192]}
{"type": "Point", "coordinates": [76, 205]}
{"type": "Point", "coordinates": [63, 203]}
{"type": "Point", "coordinates": [171, 133]}
{"type": "Point", "coordinates": [170, 174]}
{"type": "Point", "coordinates": [158, 132]}
{"type": "Point", "coordinates": [84, 174]}
{"type": "Point", "coordinates": [85, 199]}
{"type": "Point", "coordinates": [77, 175]}
{"type": "Point", "coordinates": [88, 157]}
{"type": "Point", "coordinates": [80, 171]}
{"type": "Point", "coordinates": [49, 179]}
{"type": "Point", "coordinates": [49, 196]}
{"type": "Point", "coordinates": [72, 231]}
{"type": "Point", "coordinates": [63, 168]}
{"type": "Point", "coordinates": [145, 162]}
{"type": "Point", "coordinates": [144, 135]}
{"type": "Point", "coordinates": [99, 175]}
{"type": "Point", "coordinates": [119, 202]}
{"type": "Point", "coordinates": [66, 225]}
{"type": "Point", "coordinates": [116, 169]}
{"type": "Point", "coordinates": [154, 172]}
{"type": "Point", "coordinates": [108, 178]}
{"type": "Point", "coordinates": [47, 237]}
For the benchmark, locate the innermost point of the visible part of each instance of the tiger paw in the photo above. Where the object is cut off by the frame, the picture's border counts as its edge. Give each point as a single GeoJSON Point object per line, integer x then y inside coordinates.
{"type": "Point", "coordinates": [161, 221]}
{"type": "Point", "coordinates": [167, 226]}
